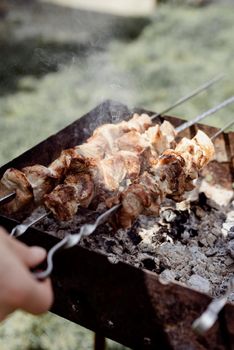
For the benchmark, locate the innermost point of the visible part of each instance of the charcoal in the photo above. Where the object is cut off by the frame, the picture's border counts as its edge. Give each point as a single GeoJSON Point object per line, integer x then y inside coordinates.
{"type": "Point", "coordinates": [199, 283]}
{"type": "Point", "coordinates": [167, 276]}
{"type": "Point", "coordinates": [230, 248]}
{"type": "Point", "coordinates": [194, 239]}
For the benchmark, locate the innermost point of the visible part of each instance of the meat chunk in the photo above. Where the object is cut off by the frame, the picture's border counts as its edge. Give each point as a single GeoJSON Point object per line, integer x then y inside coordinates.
{"type": "Point", "coordinates": [41, 179]}
{"type": "Point", "coordinates": [170, 176]}
{"type": "Point", "coordinates": [14, 180]}
{"type": "Point", "coordinates": [64, 200]}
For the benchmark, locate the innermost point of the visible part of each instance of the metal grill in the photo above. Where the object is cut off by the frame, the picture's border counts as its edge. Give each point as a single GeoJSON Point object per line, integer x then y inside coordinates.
{"type": "Point", "coordinates": [119, 301]}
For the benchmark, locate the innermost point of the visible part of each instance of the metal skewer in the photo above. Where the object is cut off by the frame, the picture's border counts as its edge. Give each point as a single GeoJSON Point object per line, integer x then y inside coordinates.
{"type": "Point", "coordinates": [7, 198]}
{"type": "Point", "coordinates": [211, 111]}
{"type": "Point", "coordinates": [202, 324]}
{"type": "Point", "coordinates": [195, 92]}
{"type": "Point", "coordinates": [36, 216]}
{"type": "Point", "coordinates": [33, 218]}
{"type": "Point", "coordinates": [210, 315]}
{"type": "Point", "coordinates": [73, 239]}
{"type": "Point", "coordinates": [227, 126]}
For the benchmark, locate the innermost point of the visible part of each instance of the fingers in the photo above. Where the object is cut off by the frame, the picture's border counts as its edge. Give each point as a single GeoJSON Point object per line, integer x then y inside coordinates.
{"type": "Point", "coordinates": [39, 297]}
{"type": "Point", "coordinates": [34, 256]}
{"type": "Point", "coordinates": [18, 287]}
{"type": "Point", "coordinates": [31, 256]}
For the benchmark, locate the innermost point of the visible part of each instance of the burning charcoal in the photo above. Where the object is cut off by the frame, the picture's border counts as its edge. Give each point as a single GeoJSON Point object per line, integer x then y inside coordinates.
{"type": "Point", "coordinates": [167, 276]}
{"type": "Point", "coordinates": [109, 245]}
{"type": "Point", "coordinates": [230, 248]}
{"type": "Point", "coordinates": [168, 215]}
{"type": "Point", "coordinates": [231, 233]}
{"type": "Point", "coordinates": [223, 286]}
{"type": "Point", "coordinates": [209, 240]}
{"type": "Point", "coordinates": [133, 234]}
{"type": "Point", "coordinates": [113, 259]}
{"type": "Point", "coordinates": [202, 199]}
{"type": "Point", "coordinates": [146, 248]}
{"type": "Point", "coordinates": [200, 213]}
{"type": "Point", "coordinates": [199, 283]}
{"type": "Point", "coordinates": [211, 252]}
{"type": "Point", "coordinates": [229, 262]}
{"type": "Point", "coordinates": [149, 263]}
{"type": "Point", "coordinates": [193, 232]}
{"type": "Point", "coordinates": [228, 226]}
{"type": "Point", "coordinates": [185, 236]}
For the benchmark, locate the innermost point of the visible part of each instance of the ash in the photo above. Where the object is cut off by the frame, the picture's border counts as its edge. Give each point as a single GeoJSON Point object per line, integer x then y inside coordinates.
{"type": "Point", "coordinates": [191, 242]}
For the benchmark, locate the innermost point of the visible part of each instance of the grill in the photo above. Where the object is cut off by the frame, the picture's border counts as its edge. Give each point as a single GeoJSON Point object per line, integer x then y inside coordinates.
{"type": "Point", "coordinates": [119, 301]}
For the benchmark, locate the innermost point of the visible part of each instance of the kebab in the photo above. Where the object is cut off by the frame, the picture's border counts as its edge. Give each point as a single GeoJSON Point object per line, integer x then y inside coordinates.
{"type": "Point", "coordinates": [171, 176]}
{"type": "Point", "coordinates": [91, 182]}
{"type": "Point", "coordinates": [201, 159]}
{"type": "Point", "coordinates": [33, 182]}
{"type": "Point", "coordinates": [125, 142]}
{"type": "Point", "coordinates": [88, 180]}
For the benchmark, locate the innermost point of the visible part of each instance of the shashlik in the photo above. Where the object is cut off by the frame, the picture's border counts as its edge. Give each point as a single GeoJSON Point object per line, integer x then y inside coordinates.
{"type": "Point", "coordinates": [168, 176]}
{"type": "Point", "coordinates": [172, 175]}
{"type": "Point", "coordinates": [125, 145]}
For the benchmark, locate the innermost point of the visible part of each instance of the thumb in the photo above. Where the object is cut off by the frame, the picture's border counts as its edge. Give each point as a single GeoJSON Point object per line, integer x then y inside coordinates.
{"type": "Point", "coordinates": [35, 256]}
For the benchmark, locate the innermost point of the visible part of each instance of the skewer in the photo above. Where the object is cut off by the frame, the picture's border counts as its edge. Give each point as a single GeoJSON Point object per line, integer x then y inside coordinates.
{"type": "Point", "coordinates": [211, 111]}
{"type": "Point", "coordinates": [227, 126]}
{"type": "Point", "coordinates": [210, 315]}
{"type": "Point", "coordinates": [87, 229]}
{"type": "Point", "coordinates": [41, 213]}
{"type": "Point", "coordinates": [72, 239]}
{"type": "Point", "coordinates": [195, 92]}
{"type": "Point", "coordinates": [38, 215]}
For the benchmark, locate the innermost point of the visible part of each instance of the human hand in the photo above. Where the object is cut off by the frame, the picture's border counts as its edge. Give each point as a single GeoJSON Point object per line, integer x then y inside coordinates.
{"type": "Point", "coordinates": [18, 287]}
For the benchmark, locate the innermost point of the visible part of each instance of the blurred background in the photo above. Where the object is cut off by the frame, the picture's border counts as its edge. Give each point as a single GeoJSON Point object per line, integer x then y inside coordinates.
{"type": "Point", "coordinates": [61, 58]}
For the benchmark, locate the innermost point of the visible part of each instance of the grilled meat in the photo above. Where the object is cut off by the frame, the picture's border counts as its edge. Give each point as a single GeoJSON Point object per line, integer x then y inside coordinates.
{"type": "Point", "coordinates": [121, 151]}
{"type": "Point", "coordinates": [171, 175]}
{"type": "Point", "coordinates": [14, 180]}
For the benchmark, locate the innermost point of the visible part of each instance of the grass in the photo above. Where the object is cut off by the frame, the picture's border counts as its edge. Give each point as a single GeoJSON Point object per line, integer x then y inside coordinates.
{"type": "Point", "coordinates": [181, 48]}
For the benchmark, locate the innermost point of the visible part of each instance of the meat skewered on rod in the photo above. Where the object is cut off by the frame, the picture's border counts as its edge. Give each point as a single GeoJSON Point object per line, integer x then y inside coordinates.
{"type": "Point", "coordinates": [206, 320]}
{"type": "Point", "coordinates": [96, 181]}
{"type": "Point", "coordinates": [34, 182]}
{"type": "Point", "coordinates": [170, 175]}
{"type": "Point", "coordinates": [37, 216]}
{"type": "Point", "coordinates": [43, 179]}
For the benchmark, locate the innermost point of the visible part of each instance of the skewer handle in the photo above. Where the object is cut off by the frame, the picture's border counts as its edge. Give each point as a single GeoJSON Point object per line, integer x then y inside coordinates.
{"type": "Point", "coordinates": [20, 229]}
{"type": "Point", "coordinates": [71, 240]}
